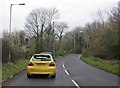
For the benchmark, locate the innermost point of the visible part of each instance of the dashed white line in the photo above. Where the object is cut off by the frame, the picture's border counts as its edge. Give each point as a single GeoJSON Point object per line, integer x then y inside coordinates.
{"type": "Point", "coordinates": [63, 66]}
{"type": "Point", "coordinates": [72, 80]}
{"type": "Point", "coordinates": [76, 84]}
{"type": "Point", "coordinates": [67, 72]}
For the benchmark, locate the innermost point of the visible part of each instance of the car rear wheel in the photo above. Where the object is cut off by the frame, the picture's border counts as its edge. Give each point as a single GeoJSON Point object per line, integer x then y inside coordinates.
{"type": "Point", "coordinates": [53, 76]}
{"type": "Point", "coordinates": [29, 76]}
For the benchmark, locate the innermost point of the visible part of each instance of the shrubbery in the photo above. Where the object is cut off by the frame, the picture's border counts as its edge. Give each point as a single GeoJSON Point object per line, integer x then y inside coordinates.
{"type": "Point", "coordinates": [102, 37]}
{"type": "Point", "coordinates": [16, 52]}
{"type": "Point", "coordinates": [59, 53]}
{"type": "Point", "coordinates": [86, 53]}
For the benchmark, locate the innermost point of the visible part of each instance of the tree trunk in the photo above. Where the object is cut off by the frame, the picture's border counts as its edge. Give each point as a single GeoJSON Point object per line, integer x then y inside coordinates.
{"type": "Point", "coordinates": [41, 38]}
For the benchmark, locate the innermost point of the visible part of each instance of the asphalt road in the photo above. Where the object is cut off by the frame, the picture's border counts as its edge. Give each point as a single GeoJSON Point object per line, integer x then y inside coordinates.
{"type": "Point", "coordinates": [71, 72]}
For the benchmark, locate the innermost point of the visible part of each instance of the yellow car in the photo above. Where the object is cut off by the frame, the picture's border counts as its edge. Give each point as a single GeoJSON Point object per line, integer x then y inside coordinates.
{"type": "Point", "coordinates": [43, 63]}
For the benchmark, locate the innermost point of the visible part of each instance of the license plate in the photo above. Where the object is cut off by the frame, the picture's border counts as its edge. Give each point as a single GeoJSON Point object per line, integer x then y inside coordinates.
{"type": "Point", "coordinates": [40, 64]}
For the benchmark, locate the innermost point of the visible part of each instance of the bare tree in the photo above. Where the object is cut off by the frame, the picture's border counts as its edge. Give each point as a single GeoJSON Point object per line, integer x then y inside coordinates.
{"type": "Point", "coordinates": [61, 27]}
{"type": "Point", "coordinates": [37, 22]}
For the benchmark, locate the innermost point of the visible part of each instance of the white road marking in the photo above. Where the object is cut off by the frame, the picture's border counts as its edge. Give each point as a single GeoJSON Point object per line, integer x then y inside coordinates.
{"type": "Point", "coordinates": [63, 66]}
{"type": "Point", "coordinates": [76, 84]}
{"type": "Point", "coordinates": [67, 72]}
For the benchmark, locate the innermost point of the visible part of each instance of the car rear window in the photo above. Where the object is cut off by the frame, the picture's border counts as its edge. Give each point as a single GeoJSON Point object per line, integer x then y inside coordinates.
{"type": "Point", "coordinates": [41, 58]}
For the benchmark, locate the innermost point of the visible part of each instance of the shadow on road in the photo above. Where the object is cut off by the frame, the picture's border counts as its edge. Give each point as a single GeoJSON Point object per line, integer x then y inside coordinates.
{"type": "Point", "coordinates": [41, 77]}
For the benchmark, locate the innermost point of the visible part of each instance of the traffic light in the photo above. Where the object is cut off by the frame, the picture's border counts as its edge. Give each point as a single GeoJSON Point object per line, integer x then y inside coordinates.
{"type": "Point", "coordinates": [27, 42]}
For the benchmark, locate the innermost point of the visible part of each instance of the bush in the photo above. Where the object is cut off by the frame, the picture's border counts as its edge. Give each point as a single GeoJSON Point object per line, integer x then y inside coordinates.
{"type": "Point", "coordinates": [5, 49]}
{"type": "Point", "coordinates": [59, 53]}
{"type": "Point", "coordinates": [86, 53]}
{"type": "Point", "coordinates": [16, 52]}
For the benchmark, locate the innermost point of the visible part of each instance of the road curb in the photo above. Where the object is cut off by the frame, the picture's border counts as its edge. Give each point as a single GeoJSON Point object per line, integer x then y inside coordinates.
{"type": "Point", "coordinates": [13, 76]}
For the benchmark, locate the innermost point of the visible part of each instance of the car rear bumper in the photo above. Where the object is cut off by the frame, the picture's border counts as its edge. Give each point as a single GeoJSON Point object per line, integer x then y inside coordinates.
{"type": "Point", "coordinates": [41, 73]}
{"type": "Point", "coordinates": [32, 71]}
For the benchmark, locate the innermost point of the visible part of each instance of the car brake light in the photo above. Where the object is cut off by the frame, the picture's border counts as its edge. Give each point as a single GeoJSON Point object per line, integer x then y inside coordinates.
{"type": "Point", "coordinates": [30, 64]}
{"type": "Point", "coordinates": [52, 64]}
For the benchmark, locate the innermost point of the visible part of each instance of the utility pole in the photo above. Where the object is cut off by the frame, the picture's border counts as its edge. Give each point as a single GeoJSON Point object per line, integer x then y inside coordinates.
{"type": "Point", "coordinates": [81, 42]}
{"type": "Point", "coordinates": [53, 42]}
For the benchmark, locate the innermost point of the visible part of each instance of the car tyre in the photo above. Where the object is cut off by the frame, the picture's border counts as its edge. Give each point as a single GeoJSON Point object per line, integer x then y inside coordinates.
{"type": "Point", "coordinates": [29, 76]}
{"type": "Point", "coordinates": [53, 76]}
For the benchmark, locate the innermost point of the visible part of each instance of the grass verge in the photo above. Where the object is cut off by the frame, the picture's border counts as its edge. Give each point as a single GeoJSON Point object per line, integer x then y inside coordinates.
{"type": "Point", "coordinates": [9, 70]}
{"type": "Point", "coordinates": [111, 66]}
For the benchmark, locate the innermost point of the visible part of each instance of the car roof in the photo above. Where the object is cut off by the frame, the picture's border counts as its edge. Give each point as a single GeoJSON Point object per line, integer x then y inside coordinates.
{"type": "Point", "coordinates": [47, 53]}
{"type": "Point", "coordinates": [42, 54]}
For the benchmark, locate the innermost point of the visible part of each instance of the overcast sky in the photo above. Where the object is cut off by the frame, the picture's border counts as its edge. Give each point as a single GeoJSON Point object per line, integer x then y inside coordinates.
{"type": "Point", "coordinates": [74, 12]}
